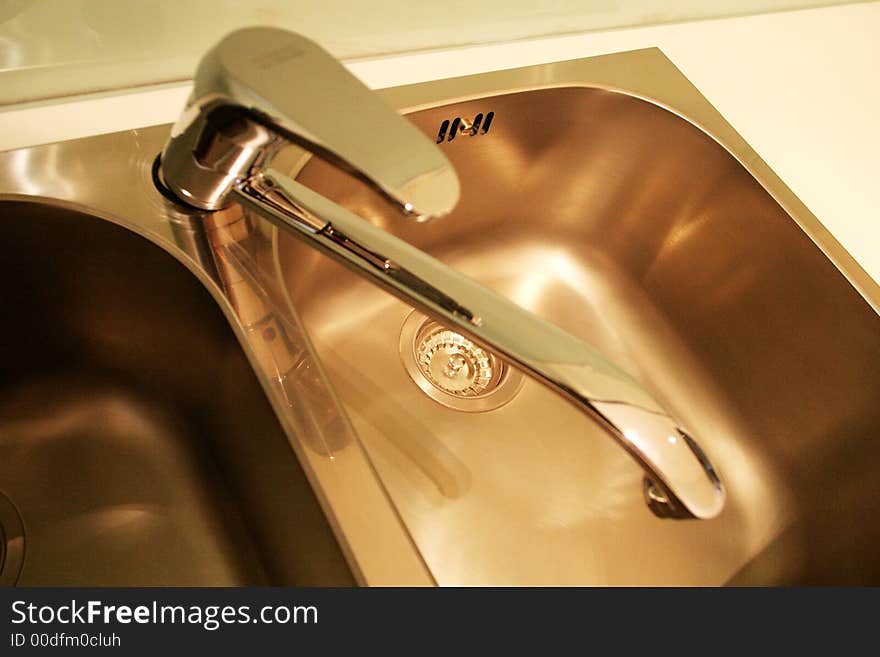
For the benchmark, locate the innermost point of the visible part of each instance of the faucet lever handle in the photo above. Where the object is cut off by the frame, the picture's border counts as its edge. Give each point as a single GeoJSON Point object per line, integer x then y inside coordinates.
{"type": "Point", "coordinates": [261, 87]}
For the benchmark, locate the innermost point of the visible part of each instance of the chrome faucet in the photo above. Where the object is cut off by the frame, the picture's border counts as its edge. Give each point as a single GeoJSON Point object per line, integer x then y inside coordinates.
{"type": "Point", "coordinates": [261, 88]}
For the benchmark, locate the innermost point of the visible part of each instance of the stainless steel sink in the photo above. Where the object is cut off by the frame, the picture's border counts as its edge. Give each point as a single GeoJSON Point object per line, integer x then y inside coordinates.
{"type": "Point", "coordinates": [166, 406]}
{"type": "Point", "coordinates": [136, 446]}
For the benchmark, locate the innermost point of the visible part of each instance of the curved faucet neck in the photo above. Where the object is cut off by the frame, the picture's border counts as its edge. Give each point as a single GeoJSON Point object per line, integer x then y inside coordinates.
{"type": "Point", "coordinates": [260, 88]}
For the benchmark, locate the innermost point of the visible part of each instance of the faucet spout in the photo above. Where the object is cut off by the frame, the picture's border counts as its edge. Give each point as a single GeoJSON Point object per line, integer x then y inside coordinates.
{"type": "Point", "coordinates": [260, 88]}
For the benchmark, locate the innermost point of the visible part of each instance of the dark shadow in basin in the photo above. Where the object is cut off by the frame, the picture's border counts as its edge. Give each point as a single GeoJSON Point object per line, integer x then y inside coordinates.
{"type": "Point", "coordinates": [135, 440]}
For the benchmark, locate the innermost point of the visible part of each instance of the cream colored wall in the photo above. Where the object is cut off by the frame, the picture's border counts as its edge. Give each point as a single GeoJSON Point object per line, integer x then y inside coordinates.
{"type": "Point", "coordinates": [53, 48]}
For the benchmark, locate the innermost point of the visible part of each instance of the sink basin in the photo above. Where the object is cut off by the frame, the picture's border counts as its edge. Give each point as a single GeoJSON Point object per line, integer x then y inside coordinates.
{"type": "Point", "coordinates": [633, 229]}
{"type": "Point", "coordinates": [136, 444]}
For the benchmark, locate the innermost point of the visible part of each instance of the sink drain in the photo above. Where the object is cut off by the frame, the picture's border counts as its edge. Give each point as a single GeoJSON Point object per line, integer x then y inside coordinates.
{"type": "Point", "coordinates": [11, 542]}
{"type": "Point", "coordinates": [452, 369]}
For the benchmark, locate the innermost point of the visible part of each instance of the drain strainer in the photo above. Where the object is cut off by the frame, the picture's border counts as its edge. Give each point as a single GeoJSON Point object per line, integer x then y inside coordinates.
{"type": "Point", "coordinates": [11, 542]}
{"type": "Point", "coordinates": [455, 364]}
{"type": "Point", "coordinates": [452, 369]}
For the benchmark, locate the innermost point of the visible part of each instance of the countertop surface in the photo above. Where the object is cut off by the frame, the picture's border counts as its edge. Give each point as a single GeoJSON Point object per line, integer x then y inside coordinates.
{"type": "Point", "coordinates": [801, 87]}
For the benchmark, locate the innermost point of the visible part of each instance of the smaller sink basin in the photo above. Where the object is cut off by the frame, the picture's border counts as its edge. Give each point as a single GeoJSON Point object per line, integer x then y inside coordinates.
{"type": "Point", "coordinates": [136, 445]}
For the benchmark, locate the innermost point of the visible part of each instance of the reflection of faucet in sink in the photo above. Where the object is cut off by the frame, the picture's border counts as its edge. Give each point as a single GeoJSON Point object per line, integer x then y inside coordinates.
{"type": "Point", "coordinates": [261, 88]}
